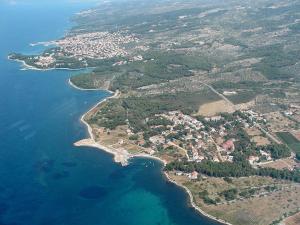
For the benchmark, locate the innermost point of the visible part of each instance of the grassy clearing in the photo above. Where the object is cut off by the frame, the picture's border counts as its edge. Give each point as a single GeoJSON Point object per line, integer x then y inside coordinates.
{"type": "Point", "coordinates": [242, 96]}
{"type": "Point", "coordinates": [290, 140]}
{"type": "Point", "coordinates": [293, 220]}
{"type": "Point", "coordinates": [264, 199]}
{"type": "Point", "coordinates": [216, 107]}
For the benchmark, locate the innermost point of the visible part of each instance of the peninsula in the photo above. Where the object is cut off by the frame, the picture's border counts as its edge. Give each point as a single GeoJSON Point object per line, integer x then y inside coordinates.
{"type": "Point", "coordinates": [209, 88]}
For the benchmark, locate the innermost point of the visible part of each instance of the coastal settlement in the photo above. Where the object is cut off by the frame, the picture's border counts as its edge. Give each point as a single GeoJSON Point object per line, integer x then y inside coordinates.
{"type": "Point", "coordinates": [217, 102]}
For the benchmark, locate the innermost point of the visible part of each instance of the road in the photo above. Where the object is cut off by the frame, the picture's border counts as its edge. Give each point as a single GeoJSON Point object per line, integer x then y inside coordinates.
{"type": "Point", "coordinates": [219, 94]}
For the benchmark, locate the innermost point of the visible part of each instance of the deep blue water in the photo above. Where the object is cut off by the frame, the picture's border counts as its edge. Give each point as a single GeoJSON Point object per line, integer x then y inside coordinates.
{"type": "Point", "coordinates": [44, 180]}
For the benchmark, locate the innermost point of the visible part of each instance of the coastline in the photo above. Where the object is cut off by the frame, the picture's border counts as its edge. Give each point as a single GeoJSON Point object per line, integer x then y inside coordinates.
{"type": "Point", "coordinates": [191, 201]}
{"type": "Point", "coordinates": [123, 159]}
{"type": "Point", "coordinates": [25, 66]}
{"type": "Point", "coordinates": [120, 156]}
{"type": "Point", "coordinates": [87, 89]}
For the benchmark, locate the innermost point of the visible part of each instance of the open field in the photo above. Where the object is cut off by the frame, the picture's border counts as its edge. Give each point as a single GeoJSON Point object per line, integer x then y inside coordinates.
{"type": "Point", "coordinates": [296, 134]}
{"type": "Point", "coordinates": [171, 153]}
{"type": "Point", "coordinates": [242, 97]}
{"type": "Point", "coordinates": [281, 164]}
{"type": "Point", "coordinates": [292, 220]}
{"type": "Point", "coordinates": [290, 140]}
{"type": "Point", "coordinates": [213, 108]}
{"type": "Point", "coordinates": [263, 207]}
{"type": "Point", "coordinates": [260, 141]}
{"type": "Point", "coordinates": [253, 131]}
{"type": "Point", "coordinates": [260, 210]}
{"type": "Point", "coordinates": [277, 122]}
{"type": "Point", "coordinates": [117, 139]}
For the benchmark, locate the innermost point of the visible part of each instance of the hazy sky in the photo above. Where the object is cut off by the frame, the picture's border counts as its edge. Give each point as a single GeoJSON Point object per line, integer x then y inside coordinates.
{"type": "Point", "coordinates": [15, 2]}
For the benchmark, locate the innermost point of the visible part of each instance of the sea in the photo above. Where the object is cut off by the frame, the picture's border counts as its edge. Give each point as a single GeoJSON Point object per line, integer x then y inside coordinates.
{"type": "Point", "coordinates": [44, 179]}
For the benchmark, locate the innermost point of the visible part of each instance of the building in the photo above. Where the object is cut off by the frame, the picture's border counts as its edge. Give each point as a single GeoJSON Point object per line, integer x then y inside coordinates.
{"type": "Point", "coordinates": [267, 155]}
{"type": "Point", "coordinates": [252, 159]}
{"type": "Point", "coordinates": [228, 145]}
{"type": "Point", "coordinates": [121, 141]}
{"type": "Point", "coordinates": [193, 175]}
{"type": "Point", "coordinates": [213, 118]}
{"type": "Point", "coordinates": [158, 139]}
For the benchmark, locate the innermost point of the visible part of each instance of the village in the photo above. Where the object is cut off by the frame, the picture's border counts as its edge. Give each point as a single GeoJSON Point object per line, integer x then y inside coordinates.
{"type": "Point", "coordinates": [96, 45]}
{"type": "Point", "coordinates": [211, 138]}
{"type": "Point", "coordinates": [78, 50]}
{"type": "Point", "coordinates": [208, 90]}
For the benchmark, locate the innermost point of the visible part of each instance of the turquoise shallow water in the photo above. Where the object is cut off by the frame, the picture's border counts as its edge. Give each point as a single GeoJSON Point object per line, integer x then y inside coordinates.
{"type": "Point", "coordinates": [44, 180]}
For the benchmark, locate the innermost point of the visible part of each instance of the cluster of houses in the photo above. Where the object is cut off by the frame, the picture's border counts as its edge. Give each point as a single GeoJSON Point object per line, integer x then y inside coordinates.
{"type": "Point", "coordinates": [96, 45]}
{"type": "Point", "coordinates": [132, 59]}
{"type": "Point", "coordinates": [201, 141]}
{"type": "Point", "coordinates": [193, 175]}
{"type": "Point", "coordinates": [190, 133]}
{"type": "Point", "coordinates": [293, 111]}
{"type": "Point", "coordinates": [44, 61]}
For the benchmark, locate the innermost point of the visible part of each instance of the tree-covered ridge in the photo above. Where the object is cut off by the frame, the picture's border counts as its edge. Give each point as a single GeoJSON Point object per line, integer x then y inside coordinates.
{"type": "Point", "coordinates": [135, 110]}
{"type": "Point", "coordinates": [228, 169]}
